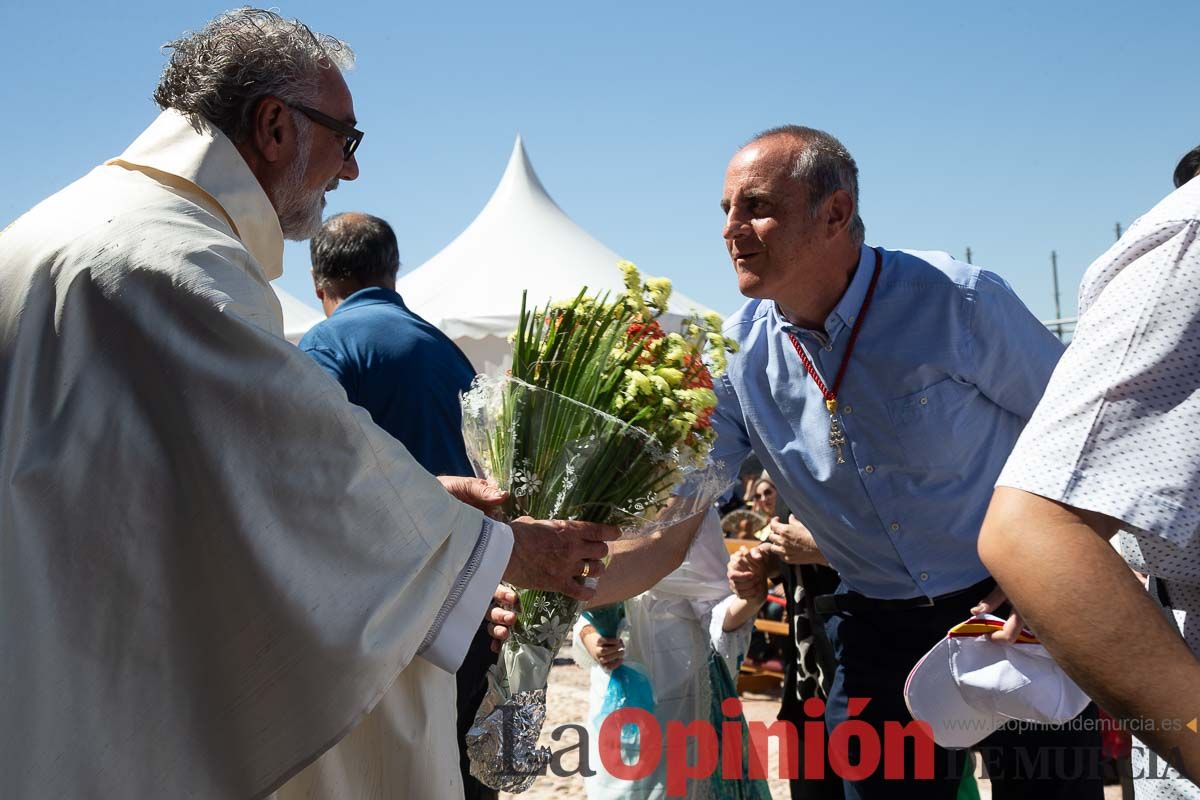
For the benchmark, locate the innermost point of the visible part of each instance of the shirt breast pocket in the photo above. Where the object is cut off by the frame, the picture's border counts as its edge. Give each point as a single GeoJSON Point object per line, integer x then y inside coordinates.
{"type": "Point", "coordinates": [933, 424]}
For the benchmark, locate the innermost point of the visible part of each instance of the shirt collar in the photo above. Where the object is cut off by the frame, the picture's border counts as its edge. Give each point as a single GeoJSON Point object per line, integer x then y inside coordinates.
{"type": "Point", "coordinates": [852, 299]}
{"type": "Point", "coordinates": [172, 150]}
{"type": "Point", "coordinates": [846, 310]}
{"type": "Point", "coordinates": [370, 296]}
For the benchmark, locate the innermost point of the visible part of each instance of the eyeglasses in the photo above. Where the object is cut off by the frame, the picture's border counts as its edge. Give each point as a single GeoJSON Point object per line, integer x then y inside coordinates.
{"type": "Point", "coordinates": [353, 135]}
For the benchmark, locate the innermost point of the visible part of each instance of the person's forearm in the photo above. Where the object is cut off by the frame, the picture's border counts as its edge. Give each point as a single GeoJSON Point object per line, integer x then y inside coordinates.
{"type": "Point", "coordinates": [639, 563]}
{"type": "Point", "coordinates": [740, 611]}
{"type": "Point", "coordinates": [1093, 615]}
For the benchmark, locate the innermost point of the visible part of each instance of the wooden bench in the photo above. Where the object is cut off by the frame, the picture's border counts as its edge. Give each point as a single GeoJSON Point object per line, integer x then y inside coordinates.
{"type": "Point", "coordinates": [733, 545]}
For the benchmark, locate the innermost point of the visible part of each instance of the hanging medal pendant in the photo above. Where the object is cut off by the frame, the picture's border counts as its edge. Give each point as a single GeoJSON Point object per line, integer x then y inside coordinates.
{"type": "Point", "coordinates": [837, 439]}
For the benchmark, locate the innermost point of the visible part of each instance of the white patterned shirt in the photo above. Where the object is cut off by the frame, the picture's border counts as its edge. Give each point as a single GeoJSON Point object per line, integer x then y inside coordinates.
{"type": "Point", "coordinates": [1118, 429]}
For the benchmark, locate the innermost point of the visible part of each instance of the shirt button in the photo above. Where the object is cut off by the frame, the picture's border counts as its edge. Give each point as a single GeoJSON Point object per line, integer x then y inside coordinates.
{"type": "Point", "coordinates": [895, 526]}
{"type": "Point", "coordinates": [869, 468]}
{"type": "Point", "coordinates": [829, 347]}
{"type": "Point", "coordinates": [847, 410]}
{"type": "Point", "coordinates": [924, 576]}
{"type": "Point", "coordinates": [924, 401]}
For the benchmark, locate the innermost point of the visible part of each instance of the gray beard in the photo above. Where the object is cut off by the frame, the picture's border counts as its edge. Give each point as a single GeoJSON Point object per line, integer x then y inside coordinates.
{"type": "Point", "coordinates": [299, 211]}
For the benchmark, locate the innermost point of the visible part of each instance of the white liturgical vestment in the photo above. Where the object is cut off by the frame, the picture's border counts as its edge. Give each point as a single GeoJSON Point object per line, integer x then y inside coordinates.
{"type": "Point", "coordinates": [212, 566]}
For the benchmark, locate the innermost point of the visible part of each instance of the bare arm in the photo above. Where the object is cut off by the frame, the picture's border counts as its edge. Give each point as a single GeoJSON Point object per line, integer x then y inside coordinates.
{"type": "Point", "coordinates": [740, 611]}
{"type": "Point", "coordinates": [607, 652]}
{"type": "Point", "coordinates": [1057, 567]}
{"type": "Point", "coordinates": [748, 573]}
{"type": "Point", "coordinates": [639, 563]}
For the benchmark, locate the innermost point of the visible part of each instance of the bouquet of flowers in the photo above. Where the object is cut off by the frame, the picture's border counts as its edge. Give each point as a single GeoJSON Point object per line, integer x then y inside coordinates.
{"type": "Point", "coordinates": [604, 417]}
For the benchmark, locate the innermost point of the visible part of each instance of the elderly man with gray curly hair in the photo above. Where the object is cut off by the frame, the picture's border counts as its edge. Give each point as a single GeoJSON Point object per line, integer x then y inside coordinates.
{"type": "Point", "coordinates": [218, 578]}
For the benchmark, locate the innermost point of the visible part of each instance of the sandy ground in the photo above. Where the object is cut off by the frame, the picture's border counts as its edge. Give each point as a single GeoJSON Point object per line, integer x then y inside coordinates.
{"type": "Point", "coordinates": [567, 703]}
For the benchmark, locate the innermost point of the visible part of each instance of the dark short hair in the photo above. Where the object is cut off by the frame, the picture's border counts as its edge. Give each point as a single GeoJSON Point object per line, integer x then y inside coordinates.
{"type": "Point", "coordinates": [354, 248]}
{"type": "Point", "coordinates": [824, 165]}
{"type": "Point", "coordinates": [1187, 167]}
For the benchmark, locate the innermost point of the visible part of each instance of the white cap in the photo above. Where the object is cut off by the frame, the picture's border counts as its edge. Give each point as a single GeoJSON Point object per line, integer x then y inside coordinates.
{"type": "Point", "coordinates": [968, 686]}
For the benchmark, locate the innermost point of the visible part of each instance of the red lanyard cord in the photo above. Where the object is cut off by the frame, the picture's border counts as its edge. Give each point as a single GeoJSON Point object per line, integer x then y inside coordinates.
{"type": "Point", "coordinates": [831, 396]}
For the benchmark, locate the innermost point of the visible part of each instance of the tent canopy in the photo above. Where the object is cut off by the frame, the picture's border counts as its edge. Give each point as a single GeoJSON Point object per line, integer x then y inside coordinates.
{"type": "Point", "coordinates": [471, 290]}
{"type": "Point", "coordinates": [520, 241]}
{"type": "Point", "coordinates": [298, 316]}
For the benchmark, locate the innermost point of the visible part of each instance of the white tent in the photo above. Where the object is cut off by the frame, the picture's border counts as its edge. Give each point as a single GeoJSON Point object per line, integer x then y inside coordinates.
{"type": "Point", "coordinates": [298, 316]}
{"type": "Point", "coordinates": [521, 240]}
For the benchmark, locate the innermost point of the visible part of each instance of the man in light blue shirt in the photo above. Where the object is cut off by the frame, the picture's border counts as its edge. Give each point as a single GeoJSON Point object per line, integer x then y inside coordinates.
{"type": "Point", "coordinates": [948, 368]}
{"type": "Point", "coordinates": [931, 368]}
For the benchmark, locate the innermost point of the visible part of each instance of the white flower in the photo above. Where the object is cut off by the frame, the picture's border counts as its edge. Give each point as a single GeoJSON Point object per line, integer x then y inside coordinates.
{"type": "Point", "coordinates": [555, 629]}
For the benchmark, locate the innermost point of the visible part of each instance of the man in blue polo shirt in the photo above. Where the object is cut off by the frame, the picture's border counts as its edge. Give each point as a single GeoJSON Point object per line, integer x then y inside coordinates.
{"type": "Point", "coordinates": [397, 366]}
{"type": "Point", "coordinates": [402, 370]}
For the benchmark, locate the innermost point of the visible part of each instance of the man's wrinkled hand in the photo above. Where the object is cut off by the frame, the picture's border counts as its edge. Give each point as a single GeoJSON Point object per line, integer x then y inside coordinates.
{"type": "Point", "coordinates": [792, 542]}
{"type": "Point", "coordinates": [476, 492]}
{"type": "Point", "coordinates": [555, 555]}
{"type": "Point", "coordinates": [502, 616]}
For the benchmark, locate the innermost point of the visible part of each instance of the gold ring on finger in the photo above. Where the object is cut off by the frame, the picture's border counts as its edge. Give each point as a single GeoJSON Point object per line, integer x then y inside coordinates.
{"type": "Point", "coordinates": [587, 569]}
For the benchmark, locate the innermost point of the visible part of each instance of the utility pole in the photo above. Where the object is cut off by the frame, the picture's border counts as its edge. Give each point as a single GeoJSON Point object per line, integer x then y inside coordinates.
{"type": "Point", "coordinates": [1057, 303]}
{"type": "Point", "coordinates": [969, 256]}
{"type": "Point", "coordinates": [1118, 227]}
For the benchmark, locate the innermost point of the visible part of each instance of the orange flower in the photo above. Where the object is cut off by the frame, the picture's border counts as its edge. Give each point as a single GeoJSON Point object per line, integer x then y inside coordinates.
{"type": "Point", "coordinates": [647, 330]}
{"type": "Point", "coordinates": [696, 375]}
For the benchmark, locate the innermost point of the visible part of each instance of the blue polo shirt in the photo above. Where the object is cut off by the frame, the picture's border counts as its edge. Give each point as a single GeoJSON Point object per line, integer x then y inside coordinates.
{"type": "Point", "coordinates": [402, 370]}
{"type": "Point", "coordinates": [948, 368]}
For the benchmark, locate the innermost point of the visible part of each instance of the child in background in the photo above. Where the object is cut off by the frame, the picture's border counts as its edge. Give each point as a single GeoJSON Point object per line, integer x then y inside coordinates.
{"type": "Point", "coordinates": [688, 635]}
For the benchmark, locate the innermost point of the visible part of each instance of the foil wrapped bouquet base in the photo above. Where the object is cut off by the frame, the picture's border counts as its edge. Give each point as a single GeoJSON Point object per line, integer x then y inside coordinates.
{"type": "Point", "coordinates": [502, 745]}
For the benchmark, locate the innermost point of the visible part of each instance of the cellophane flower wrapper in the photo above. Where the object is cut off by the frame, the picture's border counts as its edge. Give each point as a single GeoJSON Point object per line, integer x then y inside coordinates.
{"type": "Point", "coordinates": [604, 418]}
{"type": "Point", "coordinates": [605, 471]}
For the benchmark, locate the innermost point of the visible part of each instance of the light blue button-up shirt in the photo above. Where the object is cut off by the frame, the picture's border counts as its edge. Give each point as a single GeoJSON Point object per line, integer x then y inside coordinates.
{"type": "Point", "coordinates": [948, 367]}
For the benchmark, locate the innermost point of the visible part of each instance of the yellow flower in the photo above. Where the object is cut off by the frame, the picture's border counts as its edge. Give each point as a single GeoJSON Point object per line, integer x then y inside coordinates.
{"type": "Point", "coordinates": [676, 349]}
{"type": "Point", "coordinates": [718, 363]}
{"type": "Point", "coordinates": [633, 284]}
{"type": "Point", "coordinates": [671, 375]}
{"type": "Point", "coordinates": [682, 423]}
{"type": "Point", "coordinates": [638, 383]}
{"type": "Point", "coordinates": [697, 399]}
{"type": "Point", "coordinates": [660, 292]}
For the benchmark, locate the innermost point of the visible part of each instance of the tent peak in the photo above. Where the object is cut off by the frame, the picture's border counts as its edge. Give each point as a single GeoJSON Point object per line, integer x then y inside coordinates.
{"type": "Point", "coordinates": [520, 177]}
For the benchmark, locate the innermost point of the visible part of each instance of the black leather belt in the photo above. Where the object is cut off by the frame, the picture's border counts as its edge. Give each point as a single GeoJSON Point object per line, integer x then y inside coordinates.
{"type": "Point", "coordinates": [855, 603]}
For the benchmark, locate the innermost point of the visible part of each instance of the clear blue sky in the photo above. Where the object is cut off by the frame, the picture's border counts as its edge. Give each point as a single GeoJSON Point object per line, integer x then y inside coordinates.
{"type": "Point", "coordinates": [1011, 128]}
